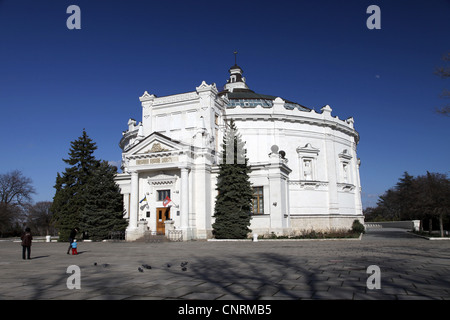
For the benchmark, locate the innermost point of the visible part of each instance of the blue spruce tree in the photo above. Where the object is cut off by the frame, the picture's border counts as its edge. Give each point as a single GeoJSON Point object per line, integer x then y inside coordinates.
{"type": "Point", "coordinates": [234, 200]}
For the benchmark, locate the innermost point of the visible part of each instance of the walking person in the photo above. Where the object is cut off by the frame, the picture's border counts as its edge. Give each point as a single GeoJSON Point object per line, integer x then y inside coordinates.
{"type": "Point", "coordinates": [26, 243]}
{"type": "Point", "coordinates": [72, 235]}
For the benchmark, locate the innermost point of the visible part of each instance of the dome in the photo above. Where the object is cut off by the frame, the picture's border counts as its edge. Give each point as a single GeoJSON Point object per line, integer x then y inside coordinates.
{"type": "Point", "coordinates": [239, 94]}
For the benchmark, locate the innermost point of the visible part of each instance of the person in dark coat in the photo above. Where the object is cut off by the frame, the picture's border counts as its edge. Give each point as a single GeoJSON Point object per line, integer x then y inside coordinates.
{"type": "Point", "coordinates": [26, 243]}
{"type": "Point", "coordinates": [72, 235]}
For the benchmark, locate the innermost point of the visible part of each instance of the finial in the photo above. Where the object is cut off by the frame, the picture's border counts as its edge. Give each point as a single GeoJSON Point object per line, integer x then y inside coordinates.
{"type": "Point", "coordinates": [235, 54]}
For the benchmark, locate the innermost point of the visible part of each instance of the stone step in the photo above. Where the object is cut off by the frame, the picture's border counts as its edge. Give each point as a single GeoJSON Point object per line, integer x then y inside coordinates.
{"type": "Point", "coordinates": [153, 237]}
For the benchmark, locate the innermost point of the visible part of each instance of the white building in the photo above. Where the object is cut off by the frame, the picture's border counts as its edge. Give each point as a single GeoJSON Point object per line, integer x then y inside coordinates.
{"type": "Point", "coordinates": [305, 171]}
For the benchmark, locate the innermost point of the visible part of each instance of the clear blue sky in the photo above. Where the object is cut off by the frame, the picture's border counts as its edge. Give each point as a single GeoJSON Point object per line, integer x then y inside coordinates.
{"type": "Point", "coordinates": [54, 81]}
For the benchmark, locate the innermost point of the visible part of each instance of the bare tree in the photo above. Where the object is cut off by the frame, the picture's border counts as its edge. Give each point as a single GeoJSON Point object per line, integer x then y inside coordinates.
{"type": "Point", "coordinates": [15, 192]}
{"type": "Point", "coordinates": [444, 73]}
{"type": "Point", "coordinates": [40, 218]}
{"type": "Point", "coordinates": [7, 217]}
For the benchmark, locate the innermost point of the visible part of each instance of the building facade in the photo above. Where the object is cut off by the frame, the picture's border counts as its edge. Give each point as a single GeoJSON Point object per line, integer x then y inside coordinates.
{"type": "Point", "coordinates": [304, 167]}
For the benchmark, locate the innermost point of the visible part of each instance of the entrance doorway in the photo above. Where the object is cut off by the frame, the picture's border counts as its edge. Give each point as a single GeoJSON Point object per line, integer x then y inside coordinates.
{"type": "Point", "coordinates": [162, 214]}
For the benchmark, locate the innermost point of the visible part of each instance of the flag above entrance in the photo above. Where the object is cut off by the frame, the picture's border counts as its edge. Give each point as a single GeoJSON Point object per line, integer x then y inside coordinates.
{"type": "Point", "coordinates": [166, 201]}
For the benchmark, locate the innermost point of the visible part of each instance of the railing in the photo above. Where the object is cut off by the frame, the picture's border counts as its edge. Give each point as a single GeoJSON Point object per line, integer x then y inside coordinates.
{"type": "Point", "coordinates": [154, 237]}
{"type": "Point", "coordinates": [117, 235]}
{"type": "Point", "coordinates": [409, 225]}
{"type": "Point", "coordinates": [150, 236]}
{"type": "Point", "coordinates": [373, 225]}
{"type": "Point", "coordinates": [175, 235]}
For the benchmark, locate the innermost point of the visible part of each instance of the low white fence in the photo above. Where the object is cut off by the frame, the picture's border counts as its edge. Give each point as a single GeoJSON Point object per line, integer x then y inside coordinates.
{"type": "Point", "coordinates": [373, 225]}
{"type": "Point", "coordinates": [409, 225]}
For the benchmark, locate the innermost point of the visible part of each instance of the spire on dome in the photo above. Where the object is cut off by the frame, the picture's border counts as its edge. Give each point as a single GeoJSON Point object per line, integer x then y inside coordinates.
{"type": "Point", "coordinates": [236, 80]}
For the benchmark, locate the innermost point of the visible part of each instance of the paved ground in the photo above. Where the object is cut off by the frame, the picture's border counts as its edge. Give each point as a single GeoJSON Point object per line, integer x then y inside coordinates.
{"type": "Point", "coordinates": [411, 268]}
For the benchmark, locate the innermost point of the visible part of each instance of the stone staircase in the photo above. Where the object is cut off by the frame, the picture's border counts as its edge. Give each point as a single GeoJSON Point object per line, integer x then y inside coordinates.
{"type": "Point", "coordinates": [152, 237]}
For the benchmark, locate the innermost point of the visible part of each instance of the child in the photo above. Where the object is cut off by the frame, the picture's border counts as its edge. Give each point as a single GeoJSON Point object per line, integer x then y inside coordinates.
{"type": "Point", "coordinates": [72, 235]}
{"type": "Point", "coordinates": [26, 243]}
{"type": "Point", "coordinates": [74, 247]}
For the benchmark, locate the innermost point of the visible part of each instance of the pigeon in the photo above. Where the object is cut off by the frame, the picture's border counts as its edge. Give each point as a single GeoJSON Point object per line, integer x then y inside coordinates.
{"type": "Point", "coordinates": [140, 269]}
{"type": "Point", "coordinates": [146, 266]}
{"type": "Point", "coordinates": [184, 264]}
{"type": "Point", "coordinates": [184, 268]}
{"type": "Point", "coordinates": [105, 265]}
{"type": "Point", "coordinates": [168, 265]}
{"type": "Point", "coordinates": [95, 263]}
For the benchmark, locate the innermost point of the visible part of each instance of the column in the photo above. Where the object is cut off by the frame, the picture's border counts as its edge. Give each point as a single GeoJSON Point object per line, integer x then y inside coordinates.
{"type": "Point", "coordinates": [332, 172]}
{"type": "Point", "coordinates": [184, 205]}
{"type": "Point", "coordinates": [147, 117]}
{"type": "Point", "coordinates": [333, 203]}
{"type": "Point", "coordinates": [358, 203]}
{"type": "Point", "coordinates": [277, 174]}
{"type": "Point", "coordinates": [134, 200]}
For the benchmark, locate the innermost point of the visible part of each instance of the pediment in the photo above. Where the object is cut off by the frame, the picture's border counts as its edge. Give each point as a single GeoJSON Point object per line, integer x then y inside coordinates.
{"type": "Point", "coordinates": [161, 178]}
{"type": "Point", "coordinates": [155, 147]}
{"type": "Point", "coordinates": [155, 144]}
{"type": "Point", "coordinates": [345, 155]}
{"type": "Point", "coordinates": [308, 149]}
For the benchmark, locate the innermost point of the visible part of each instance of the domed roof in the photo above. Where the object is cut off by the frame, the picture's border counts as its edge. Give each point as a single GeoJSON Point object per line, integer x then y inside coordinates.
{"type": "Point", "coordinates": [235, 67]}
{"type": "Point", "coordinates": [239, 94]}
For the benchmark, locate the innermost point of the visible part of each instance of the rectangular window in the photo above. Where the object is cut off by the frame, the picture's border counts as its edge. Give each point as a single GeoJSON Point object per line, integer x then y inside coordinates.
{"type": "Point", "coordinates": [216, 137]}
{"type": "Point", "coordinates": [190, 119]}
{"type": "Point", "coordinates": [175, 121]}
{"type": "Point", "coordinates": [307, 169]}
{"type": "Point", "coordinates": [345, 172]}
{"type": "Point", "coordinates": [258, 200]}
{"type": "Point", "coordinates": [162, 194]}
{"type": "Point", "coordinates": [161, 123]}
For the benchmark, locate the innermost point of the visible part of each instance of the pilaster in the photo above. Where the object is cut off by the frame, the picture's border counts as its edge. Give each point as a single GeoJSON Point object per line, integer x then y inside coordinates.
{"type": "Point", "coordinates": [184, 205]}
{"type": "Point", "coordinates": [278, 198]}
{"type": "Point", "coordinates": [147, 104]}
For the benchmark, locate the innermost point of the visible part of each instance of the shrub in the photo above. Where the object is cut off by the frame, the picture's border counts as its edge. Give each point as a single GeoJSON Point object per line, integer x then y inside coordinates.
{"type": "Point", "coordinates": [358, 227]}
{"type": "Point", "coordinates": [313, 234]}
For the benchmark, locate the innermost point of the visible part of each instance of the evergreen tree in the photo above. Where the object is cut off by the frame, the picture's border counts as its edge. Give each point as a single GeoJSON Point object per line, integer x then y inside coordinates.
{"type": "Point", "coordinates": [407, 194]}
{"type": "Point", "coordinates": [234, 200]}
{"type": "Point", "coordinates": [103, 208]}
{"type": "Point", "coordinates": [425, 197]}
{"type": "Point", "coordinates": [69, 199]}
{"type": "Point", "coordinates": [433, 200]}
